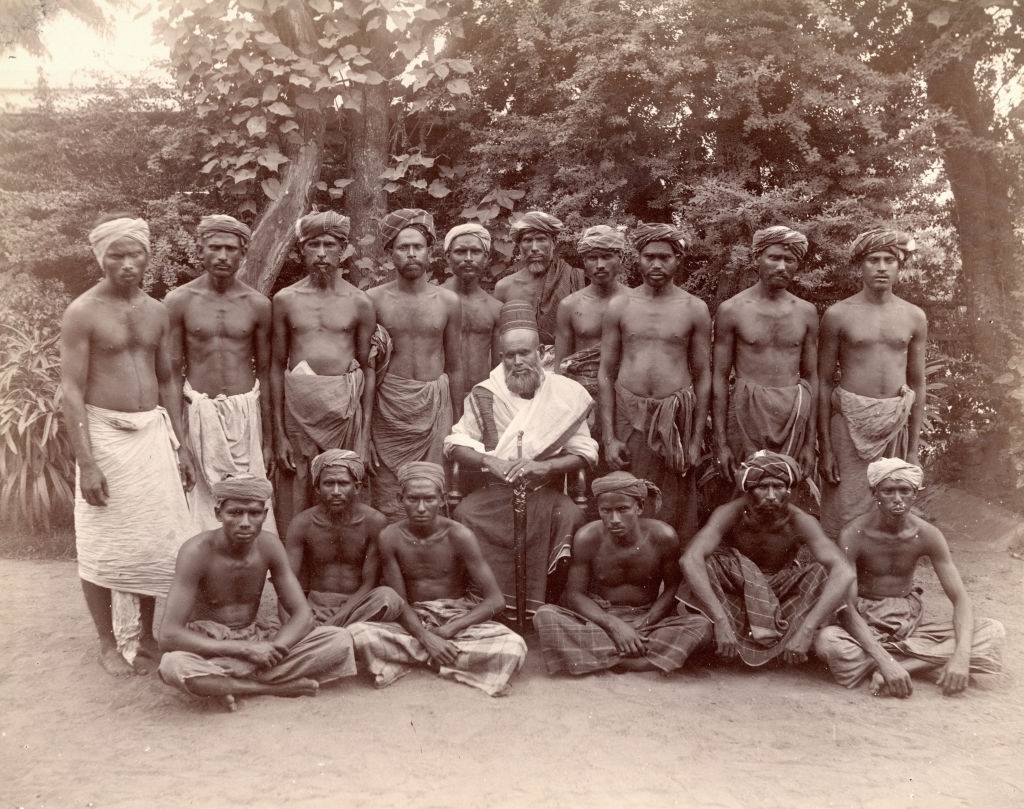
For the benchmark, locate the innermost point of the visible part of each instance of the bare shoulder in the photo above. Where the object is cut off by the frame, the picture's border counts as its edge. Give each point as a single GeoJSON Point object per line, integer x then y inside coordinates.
{"type": "Point", "coordinates": [588, 538]}
{"type": "Point", "coordinates": [375, 521]}
{"type": "Point", "coordinates": [179, 296]}
{"type": "Point", "coordinates": [930, 537]}
{"type": "Point", "coordinates": [692, 303]}
{"type": "Point", "coordinates": [253, 296]}
{"type": "Point", "coordinates": [197, 550]}
{"type": "Point", "coordinates": [662, 534]}
{"type": "Point", "coordinates": [81, 309]}
{"type": "Point", "coordinates": [459, 533]}
{"type": "Point", "coordinates": [378, 293]}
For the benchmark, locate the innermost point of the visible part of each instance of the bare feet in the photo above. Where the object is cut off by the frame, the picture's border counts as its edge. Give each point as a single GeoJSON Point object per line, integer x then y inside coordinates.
{"type": "Point", "coordinates": [878, 686]}
{"type": "Point", "coordinates": [296, 688]}
{"type": "Point", "coordinates": [113, 663]}
{"type": "Point", "coordinates": [147, 659]}
{"type": "Point", "coordinates": [229, 703]}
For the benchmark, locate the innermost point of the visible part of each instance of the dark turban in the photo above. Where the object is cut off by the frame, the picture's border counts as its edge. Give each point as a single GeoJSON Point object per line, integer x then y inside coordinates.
{"type": "Point", "coordinates": [897, 469]}
{"type": "Point", "coordinates": [323, 223]}
{"type": "Point", "coordinates": [625, 483]}
{"type": "Point", "coordinates": [765, 464]}
{"type": "Point", "coordinates": [897, 242]}
{"type": "Point", "coordinates": [643, 235]}
{"type": "Point", "coordinates": [244, 487]}
{"type": "Point", "coordinates": [220, 223]}
{"type": "Point", "coordinates": [421, 469]}
{"type": "Point", "coordinates": [469, 229]}
{"type": "Point", "coordinates": [337, 458]}
{"type": "Point", "coordinates": [517, 315]}
{"type": "Point", "coordinates": [794, 241]}
{"type": "Point", "coordinates": [536, 220]}
{"type": "Point", "coordinates": [397, 221]}
{"type": "Point", "coordinates": [601, 237]}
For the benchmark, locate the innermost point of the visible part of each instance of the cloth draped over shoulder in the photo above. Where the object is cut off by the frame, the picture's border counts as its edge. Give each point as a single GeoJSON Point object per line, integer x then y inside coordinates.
{"type": "Point", "coordinates": [225, 436]}
{"type": "Point", "coordinates": [323, 412]}
{"type": "Point", "coordinates": [763, 609]}
{"type": "Point", "coordinates": [582, 366]}
{"type": "Point", "coordinates": [131, 544]}
{"type": "Point", "coordinates": [489, 653]}
{"type": "Point", "coordinates": [560, 280]}
{"type": "Point", "coordinates": [769, 418]}
{"type": "Point", "coordinates": [877, 426]}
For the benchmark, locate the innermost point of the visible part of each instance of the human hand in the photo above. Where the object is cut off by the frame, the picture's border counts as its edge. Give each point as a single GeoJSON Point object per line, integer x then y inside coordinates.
{"type": "Point", "coordinates": [615, 453]}
{"type": "Point", "coordinates": [806, 460]}
{"type": "Point", "coordinates": [186, 468]}
{"type": "Point", "coordinates": [94, 485]}
{"type": "Point", "coordinates": [726, 644]}
{"type": "Point", "coordinates": [897, 679]}
{"type": "Point", "coordinates": [262, 654]}
{"type": "Point", "coordinates": [283, 451]}
{"type": "Point", "coordinates": [627, 640]}
{"type": "Point", "coordinates": [441, 651]}
{"type": "Point", "coordinates": [828, 465]}
{"type": "Point", "coordinates": [530, 471]}
{"type": "Point", "coordinates": [795, 649]}
{"type": "Point", "coordinates": [726, 464]}
{"type": "Point", "coordinates": [268, 461]}
{"type": "Point", "coordinates": [954, 676]}
{"type": "Point", "coordinates": [446, 631]}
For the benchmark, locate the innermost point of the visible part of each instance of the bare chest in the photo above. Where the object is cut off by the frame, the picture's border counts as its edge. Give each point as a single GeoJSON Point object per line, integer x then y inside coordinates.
{"type": "Point", "coordinates": [865, 328]}
{"type": "Point", "coordinates": [209, 319]}
{"type": "Point", "coordinates": [124, 328]}
{"type": "Point", "coordinates": [771, 329]}
{"type": "Point", "coordinates": [412, 315]}
{"type": "Point", "coordinates": [644, 322]}
{"type": "Point", "coordinates": [322, 312]}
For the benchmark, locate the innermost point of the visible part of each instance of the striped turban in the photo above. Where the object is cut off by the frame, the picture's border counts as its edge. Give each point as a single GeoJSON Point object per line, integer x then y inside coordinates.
{"type": "Point", "coordinates": [397, 221]}
{"type": "Point", "coordinates": [424, 470]}
{"type": "Point", "coordinates": [337, 459]}
{"type": "Point", "coordinates": [243, 487]}
{"type": "Point", "coordinates": [102, 236]}
{"type": "Point", "coordinates": [643, 235]}
{"type": "Point", "coordinates": [535, 220]}
{"type": "Point", "coordinates": [468, 229]}
{"type": "Point", "coordinates": [601, 237]}
{"type": "Point", "coordinates": [517, 315]}
{"type": "Point", "coordinates": [625, 483]}
{"type": "Point", "coordinates": [897, 469]}
{"type": "Point", "coordinates": [323, 223]}
{"type": "Point", "coordinates": [794, 241]}
{"type": "Point", "coordinates": [220, 223]}
{"type": "Point", "coordinates": [765, 464]}
{"type": "Point", "coordinates": [896, 242]}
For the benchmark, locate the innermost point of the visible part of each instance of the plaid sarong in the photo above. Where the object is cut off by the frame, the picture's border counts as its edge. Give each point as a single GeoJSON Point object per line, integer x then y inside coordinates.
{"type": "Point", "coordinates": [489, 653]}
{"type": "Point", "coordinates": [572, 643]}
{"type": "Point", "coordinates": [764, 610]}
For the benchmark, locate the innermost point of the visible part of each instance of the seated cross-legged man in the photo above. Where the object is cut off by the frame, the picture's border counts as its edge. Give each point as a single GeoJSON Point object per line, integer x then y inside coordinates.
{"type": "Point", "coordinates": [432, 562]}
{"type": "Point", "coordinates": [881, 630]}
{"type": "Point", "coordinates": [621, 591]}
{"type": "Point", "coordinates": [332, 547]}
{"type": "Point", "coordinates": [743, 567]}
{"type": "Point", "coordinates": [523, 423]}
{"type": "Point", "coordinates": [209, 633]}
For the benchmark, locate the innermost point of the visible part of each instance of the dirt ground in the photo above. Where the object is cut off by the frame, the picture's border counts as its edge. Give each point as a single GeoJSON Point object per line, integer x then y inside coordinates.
{"type": "Point", "coordinates": [712, 737]}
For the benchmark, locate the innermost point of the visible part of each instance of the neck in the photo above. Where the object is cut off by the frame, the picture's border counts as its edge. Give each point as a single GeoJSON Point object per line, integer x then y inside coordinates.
{"type": "Point", "coordinates": [605, 290]}
{"type": "Point", "coordinates": [467, 287]}
{"type": "Point", "coordinates": [878, 296]}
{"type": "Point", "coordinates": [417, 284]}
{"type": "Point", "coordinates": [119, 292]}
{"type": "Point", "coordinates": [892, 523]}
{"type": "Point", "coordinates": [325, 280]}
{"type": "Point", "coordinates": [422, 531]}
{"type": "Point", "coordinates": [221, 285]}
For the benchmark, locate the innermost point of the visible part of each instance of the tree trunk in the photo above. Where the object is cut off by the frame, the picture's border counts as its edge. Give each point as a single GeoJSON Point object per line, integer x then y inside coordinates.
{"type": "Point", "coordinates": [365, 198]}
{"type": "Point", "coordinates": [274, 234]}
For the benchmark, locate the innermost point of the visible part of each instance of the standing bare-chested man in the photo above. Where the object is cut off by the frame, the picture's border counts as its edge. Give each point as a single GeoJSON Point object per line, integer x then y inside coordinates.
{"type": "Point", "coordinates": [539, 277]}
{"type": "Point", "coordinates": [579, 317]}
{"type": "Point", "coordinates": [769, 337]}
{"type": "Point", "coordinates": [655, 378]}
{"type": "Point", "coordinates": [321, 382]}
{"type": "Point", "coordinates": [466, 249]}
{"type": "Point", "coordinates": [220, 342]}
{"type": "Point", "coordinates": [878, 341]}
{"type": "Point", "coordinates": [130, 510]}
{"type": "Point", "coordinates": [421, 388]}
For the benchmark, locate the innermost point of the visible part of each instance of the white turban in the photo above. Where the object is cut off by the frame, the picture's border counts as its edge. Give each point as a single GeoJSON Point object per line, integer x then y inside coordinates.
{"type": "Point", "coordinates": [897, 469]}
{"type": "Point", "coordinates": [102, 236]}
{"type": "Point", "coordinates": [468, 229]}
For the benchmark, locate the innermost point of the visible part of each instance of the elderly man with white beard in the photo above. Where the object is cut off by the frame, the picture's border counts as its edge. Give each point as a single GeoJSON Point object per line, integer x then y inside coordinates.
{"type": "Point", "coordinates": [523, 423]}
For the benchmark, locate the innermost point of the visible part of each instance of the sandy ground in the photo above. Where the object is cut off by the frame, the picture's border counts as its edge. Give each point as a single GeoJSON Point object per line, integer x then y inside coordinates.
{"type": "Point", "coordinates": [71, 736]}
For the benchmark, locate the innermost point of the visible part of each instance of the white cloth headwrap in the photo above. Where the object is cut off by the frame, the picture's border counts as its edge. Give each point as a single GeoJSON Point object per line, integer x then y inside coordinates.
{"type": "Point", "coordinates": [897, 469]}
{"type": "Point", "coordinates": [468, 229]}
{"type": "Point", "coordinates": [102, 236]}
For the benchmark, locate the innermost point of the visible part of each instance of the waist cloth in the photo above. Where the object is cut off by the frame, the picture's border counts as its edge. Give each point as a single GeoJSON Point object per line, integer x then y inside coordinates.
{"type": "Point", "coordinates": [772, 418]}
{"type": "Point", "coordinates": [323, 412]}
{"type": "Point", "coordinates": [131, 544]}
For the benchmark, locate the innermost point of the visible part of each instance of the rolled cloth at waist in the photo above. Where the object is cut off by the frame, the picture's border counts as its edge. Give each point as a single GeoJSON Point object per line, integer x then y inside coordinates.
{"type": "Point", "coordinates": [323, 412]}
{"type": "Point", "coordinates": [877, 426]}
{"type": "Point", "coordinates": [132, 542]}
{"type": "Point", "coordinates": [582, 367]}
{"type": "Point", "coordinates": [771, 418]}
{"type": "Point", "coordinates": [667, 423]}
{"type": "Point", "coordinates": [411, 419]}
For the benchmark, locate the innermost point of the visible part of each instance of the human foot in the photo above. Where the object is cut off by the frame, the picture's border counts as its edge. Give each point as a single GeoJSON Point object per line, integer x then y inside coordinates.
{"type": "Point", "coordinates": [114, 663]}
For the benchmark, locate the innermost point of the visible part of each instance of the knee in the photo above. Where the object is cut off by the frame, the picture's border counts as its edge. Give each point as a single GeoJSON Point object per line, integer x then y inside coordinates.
{"type": "Point", "coordinates": [545, 617]}
{"type": "Point", "coordinates": [829, 642]}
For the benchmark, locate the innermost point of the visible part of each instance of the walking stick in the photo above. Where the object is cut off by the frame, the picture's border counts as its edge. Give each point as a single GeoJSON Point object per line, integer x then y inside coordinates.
{"type": "Point", "coordinates": [519, 540]}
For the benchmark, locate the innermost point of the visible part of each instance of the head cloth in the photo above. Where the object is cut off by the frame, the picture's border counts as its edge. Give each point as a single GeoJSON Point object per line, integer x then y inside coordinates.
{"type": "Point", "coordinates": [793, 240]}
{"type": "Point", "coordinates": [323, 223]}
{"type": "Point", "coordinates": [517, 315]}
{"type": "Point", "coordinates": [601, 237]}
{"type": "Point", "coordinates": [643, 235]}
{"type": "Point", "coordinates": [625, 483]}
{"type": "Point", "coordinates": [339, 459]}
{"type": "Point", "coordinates": [244, 487]}
{"type": "Point", "coordinates": [897, 242]}
{"type": "Point", "coordinates": [221, 223]}
{"type": "Point", "coordinates": [397, 221]}
{"type": "Point", "coordinates": [102, 236]}
{"type": "Point", "coordinates": [468, 229]}
{"type": "Point", "coordinates": [421, 469]}
{"type": "Point", "coordinates": [535, 220]}
{"type": "Point", "coordinates": [767, 464]}
{"type": "Point", "coordinates": [897, 469]}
